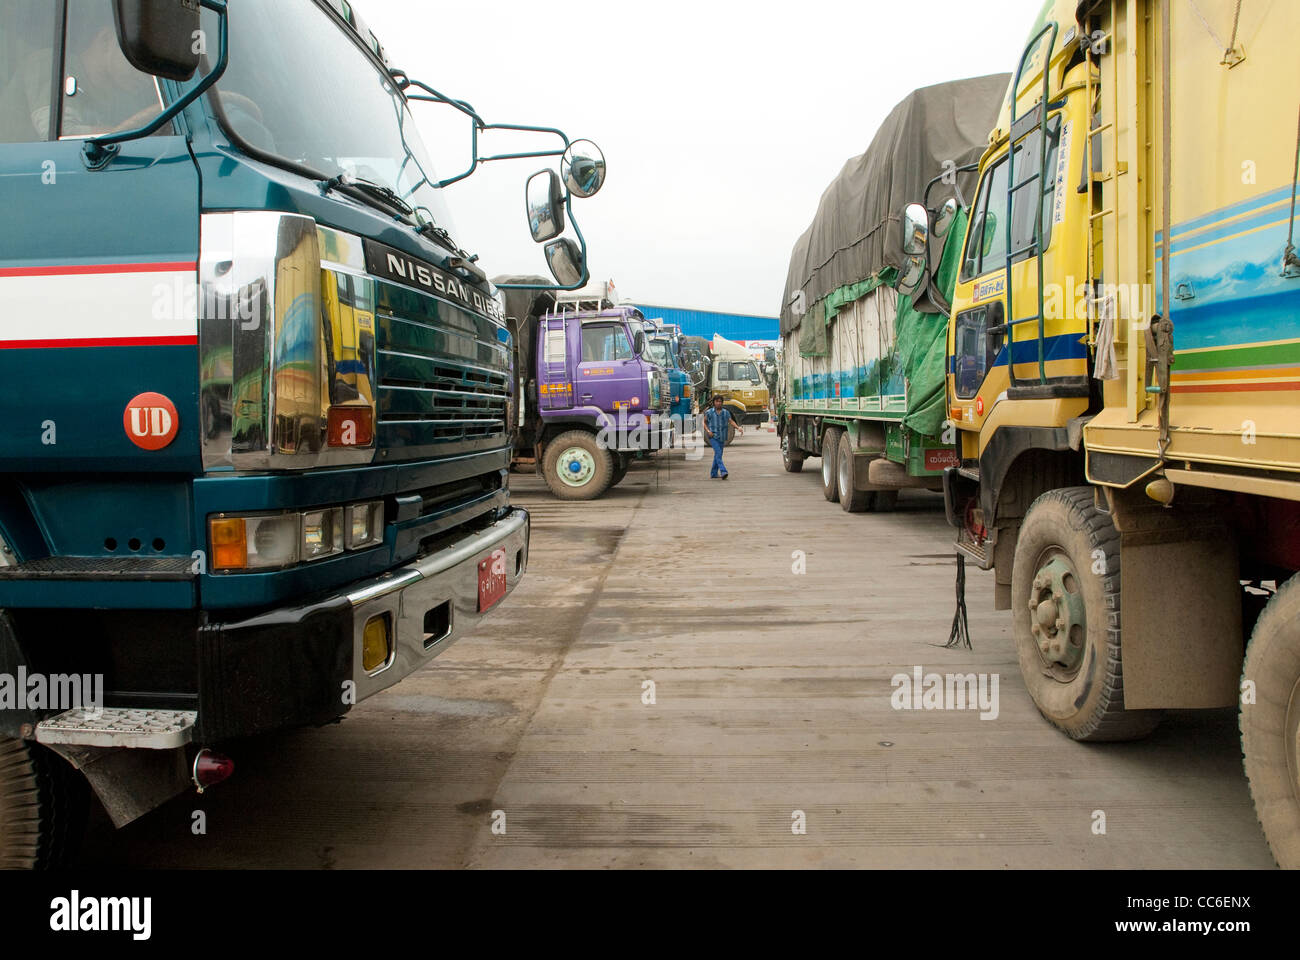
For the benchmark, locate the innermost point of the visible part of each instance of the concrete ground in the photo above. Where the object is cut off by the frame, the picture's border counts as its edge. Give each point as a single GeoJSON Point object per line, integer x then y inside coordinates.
{"type": "Point", "coordinates": [666, 690]}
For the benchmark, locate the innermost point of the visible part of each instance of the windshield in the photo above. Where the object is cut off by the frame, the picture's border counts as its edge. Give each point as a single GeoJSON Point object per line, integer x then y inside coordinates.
{"type": "Point", "coordinates": [604, 342]}
{"type": "Point", "coordinates": [658, 350]}
{"type": "Point", "coordinates": [299, 87]}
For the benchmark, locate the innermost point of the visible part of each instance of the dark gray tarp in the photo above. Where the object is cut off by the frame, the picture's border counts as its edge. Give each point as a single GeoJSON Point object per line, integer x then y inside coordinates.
{"type": "Point", "coordinates": [856, 233]}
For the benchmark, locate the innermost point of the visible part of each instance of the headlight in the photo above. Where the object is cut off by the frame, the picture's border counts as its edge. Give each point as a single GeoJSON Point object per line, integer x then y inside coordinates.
{"type": "Point", "coordinates": [365, 525]}
{"type": "Point", "coordinates": [322, 534]}
{"type": "Point", "coordinates": [277, 541]}
{"type": "Point", "coordinates": [255, 543]}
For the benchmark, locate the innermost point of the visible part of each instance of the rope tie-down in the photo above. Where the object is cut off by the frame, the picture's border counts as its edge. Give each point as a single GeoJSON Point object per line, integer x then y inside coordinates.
{"type": "Point", "coordinates": [960, 634]}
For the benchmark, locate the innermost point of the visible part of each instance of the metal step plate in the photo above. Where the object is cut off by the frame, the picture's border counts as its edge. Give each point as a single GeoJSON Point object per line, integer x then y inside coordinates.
{"type": "Point", "coordinates": [120, 727]}
{"type": "Point", "coordinates": [980, 554]}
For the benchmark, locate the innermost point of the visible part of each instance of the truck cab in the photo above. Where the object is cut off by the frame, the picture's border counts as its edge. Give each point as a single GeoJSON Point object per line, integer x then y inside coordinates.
{"type": "Point", "coordinates": [663, 347]}
{"type": "Point", "coordinates": [735, 376]}
{"type": "Point", "coordinates": [600, 399]}
{"type": "Point", "coordinates": [591, 396]}
{"type": "Point", "coordinates": [254, 462]}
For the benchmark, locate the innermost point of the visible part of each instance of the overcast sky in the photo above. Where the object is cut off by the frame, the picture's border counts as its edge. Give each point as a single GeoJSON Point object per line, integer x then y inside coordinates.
{"type": "Point", "coordinates": [722, 123]}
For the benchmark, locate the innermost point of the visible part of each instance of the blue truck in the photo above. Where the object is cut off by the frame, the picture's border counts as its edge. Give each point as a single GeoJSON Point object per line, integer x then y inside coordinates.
{"type": "Point", "coordinates": [664, 345]}
{"type": "Point", "coordinates": [254, 440]}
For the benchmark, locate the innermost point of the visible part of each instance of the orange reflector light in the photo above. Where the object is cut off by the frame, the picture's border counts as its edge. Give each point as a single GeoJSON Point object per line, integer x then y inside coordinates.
{"type": "Point", "coordinates": [375, 644]}
{"type": "Point", "coordinates": [229, 544]}
{"type": "Point", "coordinates": [351, 426]}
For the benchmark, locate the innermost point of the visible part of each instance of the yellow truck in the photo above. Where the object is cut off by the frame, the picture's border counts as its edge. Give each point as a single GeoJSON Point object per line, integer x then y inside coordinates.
{"type": "Point", "coordinates": [1124, 374]}
{"type": "Point", "coordinates": [735, 375]}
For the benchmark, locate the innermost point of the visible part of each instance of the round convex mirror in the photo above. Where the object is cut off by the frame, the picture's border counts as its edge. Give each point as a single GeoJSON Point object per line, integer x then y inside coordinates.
{"type": "Point", "coordinates": [583, 169]}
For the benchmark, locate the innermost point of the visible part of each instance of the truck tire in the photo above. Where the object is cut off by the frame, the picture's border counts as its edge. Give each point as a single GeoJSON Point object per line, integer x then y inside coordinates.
{"type": "Point", "coordinates": [1270, 725]}
{"type": "Point", "coordinates": [1066, 619]}
{"type": "Point", "coordinates": [852, 500]}
{"type": "Point", "coordinates": [731, 433]}
{"type": "Point", "coordinates": [793, 460]}
{"type": "Point", "coordinates": [44, 803]}
{"type": "Point", "coordinates": [830, 463]}
{"type": "Point", "coordinates": [577, 467]}
{"type": "Point", "coordinates": [622, 464]}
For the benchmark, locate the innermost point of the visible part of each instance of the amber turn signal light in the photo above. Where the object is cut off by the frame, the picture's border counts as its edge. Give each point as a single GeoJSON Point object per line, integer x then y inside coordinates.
{"type": "Point", "coordinates": [229, 537]}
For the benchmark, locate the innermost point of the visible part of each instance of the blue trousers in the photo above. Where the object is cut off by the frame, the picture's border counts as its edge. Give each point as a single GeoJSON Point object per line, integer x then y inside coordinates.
{"type": "Point", "coordinates": [718, 467]}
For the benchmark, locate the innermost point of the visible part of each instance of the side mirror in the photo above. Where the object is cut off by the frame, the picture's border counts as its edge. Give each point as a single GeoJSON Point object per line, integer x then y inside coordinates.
{"type": "Point", "coordinates": [916, 230]}
{"type": "Point", "coordinates": [158, 36]}
{"type": "Point", "coordinates": [545, 200]}
{"type": "Point", "coordinates": [914, 276]}
{"type": "Point", "coordinates": [565, 260]}
{"type": "Point", "coordinates": [943, 222]}
{"type": "Point", "coordinates": [638, 342]}
{"type": "Point", "coordinates": [583, 169]}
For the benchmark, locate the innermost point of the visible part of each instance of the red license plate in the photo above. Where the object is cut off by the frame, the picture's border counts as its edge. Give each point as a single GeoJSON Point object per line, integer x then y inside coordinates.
{"type": "Point", "coordinates": [491, 581]}
{"type": "Point", "coordinates": [940, 459]}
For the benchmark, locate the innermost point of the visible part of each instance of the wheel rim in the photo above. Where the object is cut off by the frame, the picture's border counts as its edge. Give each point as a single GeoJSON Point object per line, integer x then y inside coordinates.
{"type": "Point", "coordinates": [1058, 618]}
{"type": "Point", "coordinates": [846, 476]}
{"type": "Point", "coordinates": [785, 449]}
{"type": "Point", "coordinates": [826, 471]}
{"type": "Point", "coordinates": [576, 467]}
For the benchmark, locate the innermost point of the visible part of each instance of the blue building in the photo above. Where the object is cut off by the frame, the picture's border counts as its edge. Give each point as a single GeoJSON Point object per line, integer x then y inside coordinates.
{"type": "Point", "coordinates": [705, 323]}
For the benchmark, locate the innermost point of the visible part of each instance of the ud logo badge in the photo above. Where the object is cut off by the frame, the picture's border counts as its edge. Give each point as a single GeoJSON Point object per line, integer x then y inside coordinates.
{"type": "Point", "coordinates": [151, 421]}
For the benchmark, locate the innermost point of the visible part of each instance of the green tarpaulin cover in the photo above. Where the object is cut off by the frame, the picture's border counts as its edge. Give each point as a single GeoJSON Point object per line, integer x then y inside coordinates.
{"type": "Point", "coordinates": [923, 345]}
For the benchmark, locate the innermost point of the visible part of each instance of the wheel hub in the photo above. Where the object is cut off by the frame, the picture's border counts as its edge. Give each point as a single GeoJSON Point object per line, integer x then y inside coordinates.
{"type": "Point", "coordinates": [576, 467]}
{"type": "Point", "coordinates": [1058, 622]}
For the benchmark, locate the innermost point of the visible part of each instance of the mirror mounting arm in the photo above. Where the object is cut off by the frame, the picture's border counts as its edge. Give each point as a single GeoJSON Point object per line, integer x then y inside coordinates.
{"type": "Point", "coordinates": [99, 151]}
{"type": "Point", "coordinates": [430, 95]}
{"type": "Point", "coordinates": [967, 168]}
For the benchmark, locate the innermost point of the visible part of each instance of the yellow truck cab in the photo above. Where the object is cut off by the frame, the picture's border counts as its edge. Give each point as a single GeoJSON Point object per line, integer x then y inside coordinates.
{"type": "Point", "coordinates": [1124, 374]}
{"type": "Point", "coordinates": [736, 376]}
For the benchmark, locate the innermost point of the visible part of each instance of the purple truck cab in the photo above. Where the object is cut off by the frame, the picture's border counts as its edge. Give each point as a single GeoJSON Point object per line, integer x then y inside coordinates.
{"type": "Point", "coordinates": [590, 396]}
{"type": "Point", "coordinates": [600, 399]}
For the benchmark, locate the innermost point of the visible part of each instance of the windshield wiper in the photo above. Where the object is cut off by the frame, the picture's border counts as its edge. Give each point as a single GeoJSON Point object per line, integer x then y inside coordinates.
{"type": "Point", "coordinates": [434, 232]}
{"type": "Point", "coordinates": [371, 189]}
{"type": "Point", "coordinates": [424, 225]}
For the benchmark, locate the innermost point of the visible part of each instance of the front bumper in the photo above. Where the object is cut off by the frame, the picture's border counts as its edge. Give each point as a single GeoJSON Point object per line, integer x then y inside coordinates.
{"type": "Point", "coordinates": [650, 433]}
{"type": "Point", "coordinates": [303, 666]}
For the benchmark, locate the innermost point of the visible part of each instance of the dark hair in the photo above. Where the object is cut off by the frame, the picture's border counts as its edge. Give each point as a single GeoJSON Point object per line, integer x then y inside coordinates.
{"type": "Point", "coordinates": [717, 398]}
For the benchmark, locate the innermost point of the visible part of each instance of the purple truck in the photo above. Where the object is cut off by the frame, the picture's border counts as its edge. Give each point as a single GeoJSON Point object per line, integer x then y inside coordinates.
{"type": "Point", "coordinates": [590, 396]}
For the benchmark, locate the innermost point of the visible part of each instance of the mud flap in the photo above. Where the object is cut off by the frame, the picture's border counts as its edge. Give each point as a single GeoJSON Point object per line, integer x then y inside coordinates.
{"type": "Point", "coordinates": [1181, 609]}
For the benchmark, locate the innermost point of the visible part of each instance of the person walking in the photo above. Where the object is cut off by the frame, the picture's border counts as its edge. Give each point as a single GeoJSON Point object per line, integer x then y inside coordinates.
{"type": "Point", "coordinates": [717, 427]}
